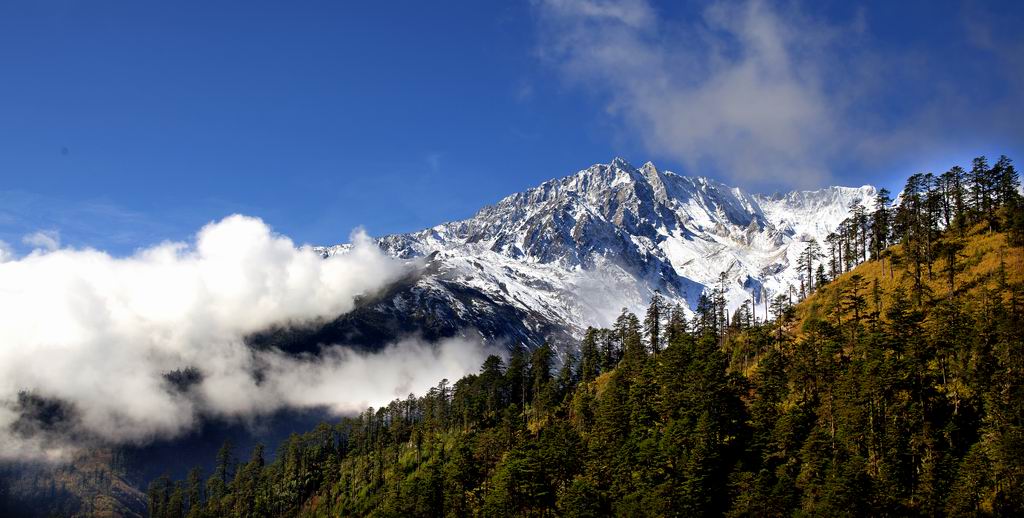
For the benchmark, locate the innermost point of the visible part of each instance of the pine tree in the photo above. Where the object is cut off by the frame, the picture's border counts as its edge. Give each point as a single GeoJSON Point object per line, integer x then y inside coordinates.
{"type": "Point", "coordinates": [854, 300]}
{"type": "Point", "coordinates": [859, 229]}
{"type": "Point", "coordinates": [590, 358]}
{"type": "Point", "coordinates": [676, 326]}
{"type": "Point", "coordinates": [195, 488]}
{"type": "Point", "coordinates": [835, 254]}
{"type": "Point", "coordinates": [540, 374]}
{"type": "Point", "coordinates": [880, 223]}
{"type": "Point", "coordinates": [491, 383]}
{"type": "Point", "coordinates": [158, 496]}
{"type": "Point", "coordinates": [981, 187]}
{"type": "Point", "coordinates": [627, 329]}
{"type": "Point", "coordinates": [807, 258]}
{"type": "Point", "coordinates": [516, 377]}
{"type": "Point", "coordinates": [956, 187]}
{"type": "Point", "coordinates": [909, 220]}
{"type": "Point", "coordinates": [175, 507]}
{"type": "Point", "coordinates": [705, 318]}
{"type": "Point", "coordinates": [611, 349]}
{"type": "Point", "coordinates": [652, 322]}
{"type": "Point", "coordinates": [1006, 180]}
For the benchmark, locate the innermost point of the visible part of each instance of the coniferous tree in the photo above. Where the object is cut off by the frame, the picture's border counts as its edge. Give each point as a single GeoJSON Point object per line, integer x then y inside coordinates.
{"type": "Point", "coordinates": [516, 378]}
{"type": "Point", "coordinates": [858, 225]}
{"type": "Point", "coordinates": [835, 254]}
{"type": "Point", "coordinates": [880, 223]}
{"type": "Point", "coordinates": [981, 187]}
{"type": "Point", "coordinates": [194, 483]}
{"type": "Point", "coordinates": [880, 396]}
{"type": "Point", "coordinates": [820, 279]}
{"type": "Point", "coordinates": [807, 258]}
{"type": "Point", "coordinates": [540, 374]}
{"type": "Point", "coordinates": [567, 378]}
{"type": "Point", "coordinates": [705, 319]}
{"type": "Point", "coordinates": [956, 187]}
{"type": "Point", "coordinates": [653, 322]}
{"type": "Point", "coordinates": [590, 357]}
{"type": "Point", "coordinates": [611, 349]}
{"type": "Point", "coordinates": [676, 326]}
{"type": "Point", "coordinates": [627, 330]}
{"type": "Point", "coordinates": [491, 384]}
{"type": "Point", "coordinates": [1005, 179]}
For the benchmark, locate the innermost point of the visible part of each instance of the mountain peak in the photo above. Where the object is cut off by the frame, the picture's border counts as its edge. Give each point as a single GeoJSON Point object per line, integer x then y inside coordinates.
{"type": "Point", "coordinates": [622, 163]}
{"type": "Point", "coordinates": [612, 231]}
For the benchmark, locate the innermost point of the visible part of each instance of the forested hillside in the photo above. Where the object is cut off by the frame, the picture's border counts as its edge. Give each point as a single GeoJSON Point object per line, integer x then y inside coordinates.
{"type": "Point", "coordinates": [93, 484]}
{"type": "Point", "coordinates": [891, 382]}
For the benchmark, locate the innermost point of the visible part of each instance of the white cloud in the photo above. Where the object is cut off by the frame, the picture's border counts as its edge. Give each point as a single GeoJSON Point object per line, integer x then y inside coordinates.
{"type": "Point", "coordinates": [99, 333]}
{"type": "Point", "coordinates": [43, 239]}
{"type": "Point", "coordinates": [768, 95]}
{"type": "Point", "coordinates": [740, 90]}
{"type": "Point", "coordinates": [635, 14]}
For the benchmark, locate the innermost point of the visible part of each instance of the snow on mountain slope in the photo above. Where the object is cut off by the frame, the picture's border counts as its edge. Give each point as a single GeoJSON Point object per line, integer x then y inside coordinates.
{"type": "Point", "coordinates": [574, 251]}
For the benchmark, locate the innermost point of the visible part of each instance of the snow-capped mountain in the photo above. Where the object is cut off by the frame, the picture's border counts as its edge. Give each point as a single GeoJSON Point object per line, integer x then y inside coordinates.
{"type": "Point", "coordinates": [572, 252]}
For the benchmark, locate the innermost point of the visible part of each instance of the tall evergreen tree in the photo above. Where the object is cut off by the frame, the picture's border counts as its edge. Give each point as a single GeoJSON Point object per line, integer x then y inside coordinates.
{"type": "Point", "coordinates": [807, 258]}
{"type": "Point", "coordinates": [590, 357]}
{"type": "Point", "coordinates": [1006, 180]}
{"type": "Point", "coordinates": [981, 187]}
{"type": "Point", "coordinates": [653, 322]}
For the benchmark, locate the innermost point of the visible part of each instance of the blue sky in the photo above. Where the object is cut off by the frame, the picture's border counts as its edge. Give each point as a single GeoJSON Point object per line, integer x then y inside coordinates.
{"type": "Point", "coordinates": [123, 124]}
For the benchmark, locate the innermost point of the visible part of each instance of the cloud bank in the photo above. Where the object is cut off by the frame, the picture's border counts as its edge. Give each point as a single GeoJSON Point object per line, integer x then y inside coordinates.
{"type": "Point", "coordinates": [126, 350]}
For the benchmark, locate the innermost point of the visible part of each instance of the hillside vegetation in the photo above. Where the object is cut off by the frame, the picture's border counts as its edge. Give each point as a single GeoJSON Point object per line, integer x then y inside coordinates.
{"type": "Point", "coordinates": [895, 387]}
{"type": "Point", "coordinates": [985, 266]}
{"type": "Point", "coordinates": [92, 484]}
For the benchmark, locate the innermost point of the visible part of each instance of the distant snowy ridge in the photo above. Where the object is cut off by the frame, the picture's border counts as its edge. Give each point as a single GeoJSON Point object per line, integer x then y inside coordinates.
{"type": "Point", "coordinates": [573, 251]}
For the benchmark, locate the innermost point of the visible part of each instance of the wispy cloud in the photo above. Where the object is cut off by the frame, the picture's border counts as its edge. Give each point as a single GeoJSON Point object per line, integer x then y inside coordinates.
{"type": "Point", "coordinates": [97, 222]}
{"type": "Point", "coordinates": [763, 94]}
{"type": "Point", "coordinates": [43, 239]}
{"type": "Point", "coordinates": [739, 88]}
{"type": "Point", "coordinates": [6, 253]}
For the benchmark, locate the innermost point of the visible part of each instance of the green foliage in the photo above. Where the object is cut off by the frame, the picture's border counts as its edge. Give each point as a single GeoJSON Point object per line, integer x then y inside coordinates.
{"type": "Point", "coordinates": [885, 401]}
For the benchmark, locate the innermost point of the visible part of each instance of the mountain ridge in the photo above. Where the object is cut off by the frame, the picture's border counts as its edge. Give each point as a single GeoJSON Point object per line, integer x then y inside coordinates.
{"type": "Point", "coordinates": [610, 232]}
